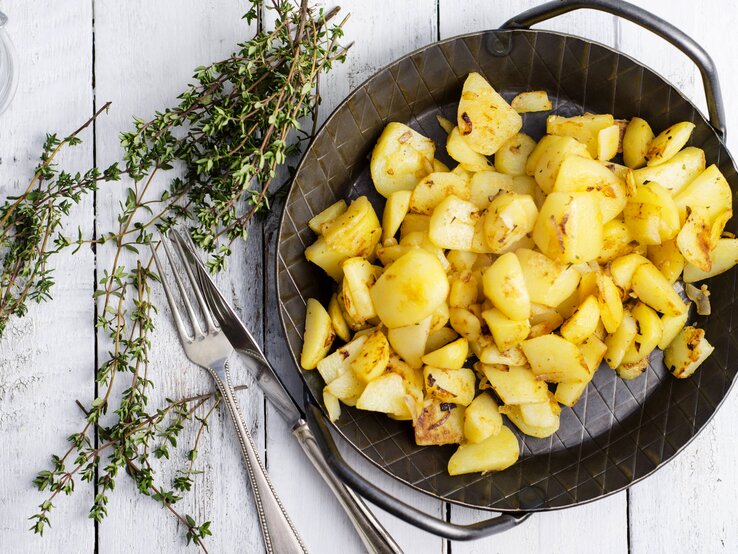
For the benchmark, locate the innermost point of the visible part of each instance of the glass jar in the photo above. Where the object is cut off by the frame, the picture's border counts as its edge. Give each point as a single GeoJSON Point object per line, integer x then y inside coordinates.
{"type": "Point", "coordinates": [8, 68]}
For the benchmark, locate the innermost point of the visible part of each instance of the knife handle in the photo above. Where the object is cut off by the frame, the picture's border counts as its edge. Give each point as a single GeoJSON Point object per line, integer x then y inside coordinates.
{"type": "Point", "coordinates": [375, 537]}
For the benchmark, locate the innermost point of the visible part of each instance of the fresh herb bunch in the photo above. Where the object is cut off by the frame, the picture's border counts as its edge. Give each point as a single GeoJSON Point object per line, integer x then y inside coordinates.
{"type": "Point", "coordinates": [29, 222]}
{"type": "Point", "coordinates": [228, 136]}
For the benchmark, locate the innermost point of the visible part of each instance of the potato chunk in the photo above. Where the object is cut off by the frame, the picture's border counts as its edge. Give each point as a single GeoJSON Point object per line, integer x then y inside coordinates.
{"type": "Point", "coordinates": [482, 418]}
{"type": "Point", "coordinates": [409, 341]}
{"type": "Point", "coordinates": [410, 289]}
{"type": "Point", "coordinates": [708, 192]}
{"type": "Point", "coordinates": [513, 154]}
{"type": "Point", "coordinates": [548, 282]}
{"type": "Point", "coordinates": [723, 257]}
{"type": "Point", "coordinates": [651, 215]}
{"type": "Point", "coordinates": [505, 331]}
{"type": "Point", "coordinates": [495, 453]}
{"type": "Point", "coordinates": [458, 148]}
{"type": "Point", "coordinates": [514, 414]}
{"type": "Point", "coordinates": [395, 210]}
{"type": "Point", "coordinates": [439, 423]}
{"type": "Point", "coordinates": [531, 101]}
{"type": "Point", "coordinates": [356, 231]}
{"type": "Point", "coordinates": [555, 359]}
{"type": "Point", "coordinates": [400, 159]}
{"type": "Point", "coordinates": [451, 356]}
{"type": "Point", "coordinates": [385, 394]}
{"type": "Point", "coordinates": [583, 322]}
{"type": "Point", "coordinates": [514, 385]}
{"type": "Point", "coordinates": [509, 218]}
{"type": "Point", "coordinates": [504, 285]}
{"type": "Point", "coordinates": [318, 336]}
{"type": "Point", "coordinates": [651, 287]}
{"type": "Point", "coordinates": [452, 224]}
{"type": "Point", "coordinates": [450, 385]}
{"type": "Point", "coordinates": [372, 359]}
{"type": "Point", "coordinates": [326, 216]}
{"type": "Point", "coordinates": [569, 227]}
{"type": "Point", "coordinates": [485, 119]}
{"type": "Point", "coordinates": [687, 351]}
{"type": "Point", "coordinates": [668, 142]}
{"type": "Point", "coordinates": [676, 173]}
{"type": "Point", "coordinates": [546, 159]}
{"type": "Point", "coordinates": [584, 128]}
{"type": "Point", "coordinates": [434, 188]}
{"type": "Point", "coordinates": [637, 138]}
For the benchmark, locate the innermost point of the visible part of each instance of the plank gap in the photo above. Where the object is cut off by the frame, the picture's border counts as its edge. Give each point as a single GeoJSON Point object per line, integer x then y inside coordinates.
{"type": "Point", "coordinates": [93, 245]}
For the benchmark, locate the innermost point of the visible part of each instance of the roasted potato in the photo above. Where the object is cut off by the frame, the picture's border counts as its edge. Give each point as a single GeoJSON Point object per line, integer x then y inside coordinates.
{"type": "Point", "coordinates": [532, 101]}
{"type": "Point", "coordinates": [545, 161]}
{"type": "Point", "coordinates": [506, 332]}
{"type": "Point", "coordinates": [583, 321]}
{"type": "Point", "coordinates": [452, 224]}
{"type": "Point", "coordinates": [569, 227]}
{"type": "Point", "coordinates": [395, 210]}
{"type": "Point", "coordinates": [458, 148]}
{"type": "Point", "coordinates": [409, 341]}
{"type": "Point", "coordinates": [486, 185]}
{"type": "Point", "coordinates": [372, 359]}
{"type": "Point", "coordinates": [637, 138]}
{"type": "Point", "coordinates": [410, 289]}
{"type": "Point", "coordinates": [318, 336]}
{"type": "Point", "coordinates": [651, 215]}
{"type": "Point", "coordinates": [686, 352]}
{"type": "Point", "coordinates": [504, 285]}
{"type": "Point", "coordinates": [620, 340]}
{"type": "Point", "coordinates": [555, 359]}
{"type": "Point", "coordinates": [722, 258]}
{"type": "Point", "coordinates": [485, 120]}
{"type": "Point", "coordinates": [385, 394]}
{"type": "Point", "coordinates": [317, 222]}
{"type": "Point", "coordinates": [450, 385]}
{"type": "Point", "coordinates": [652, 288]}
{"type": "Point", "coordinates": [439, 423]}
{"type": "Point", "coordinates": [482, 418]}
{"type": "Point", "coordinates": [668, 142]}
{"type": "Point", "coordinates": [495, 453]}
{"type": "Point", "coordinates": [356, 231]}
{"type": "Point", "coordinates": [548, 282]}
{"type": "Point", "coordinates": [584, 128]}
{"type": "Point", "coordinates": [400, 159]}
{"type": "Point", "coordinates": [434, 188]}
{"type": "Point", "coordinates": [676, 173]}
{"type": "Point", "coordinates": [512, 156]}
{"type": "Point", "coordinates": [514, 384]}
{"type": "Point", "coordinates": [450, 356]}
{"type": "Point", "coordinates": [509, 218]}
{"type": "Point", "coordinates": [548, 409]}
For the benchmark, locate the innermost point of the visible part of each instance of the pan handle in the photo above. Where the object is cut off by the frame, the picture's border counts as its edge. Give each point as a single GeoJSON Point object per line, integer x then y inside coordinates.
{"type": "Point", "coordinates": [648, 21]}
{"type": "Point", "coordinates": [398, 508]}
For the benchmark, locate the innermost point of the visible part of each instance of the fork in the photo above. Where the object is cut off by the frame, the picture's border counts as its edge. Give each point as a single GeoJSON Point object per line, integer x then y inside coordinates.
{"type": "Point", "coordinates": [210, 349]}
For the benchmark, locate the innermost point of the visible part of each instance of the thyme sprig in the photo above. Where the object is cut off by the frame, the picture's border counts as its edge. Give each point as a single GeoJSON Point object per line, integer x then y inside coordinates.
{"type": "Point", "coordinates": [241, 120]}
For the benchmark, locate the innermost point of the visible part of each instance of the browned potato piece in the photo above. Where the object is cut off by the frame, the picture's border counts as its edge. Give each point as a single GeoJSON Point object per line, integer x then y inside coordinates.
{"type": "Point", "coordinates": [434, 188]}
{"type": "Point", "coordinates": [585, 128]}
{"type": "Point", "coordinates": [400, 159]}
{"type": "Point", "coordinates": [531, 101]}
{"type": "Point", "coordinates": [687, 351]}
{"type": "Point", "coordinates": [569, 227]}
{"type": "Point", "coordinates": [495, 453]}
{"type": "Point", "coordinates": [485, 120]}
{"type": "Point", "coordinates": [450, 385]}
{"type": "Point", "coordinates": [439, 423]}
{"type": "Point", "coordinates": [326, 216]}
{"type": "Point", "coordinates": [668, 142]}
{"type": "Point", "coordinates": [637, 138]}
{"type": "Point", "coordinates": [373, 357]}
{"type": "Point", "coordinates": [555, 359]}
{"type": "Point", "coordinates": [513, 154]}
{"type": "Point", "coordinates": [318, 336]}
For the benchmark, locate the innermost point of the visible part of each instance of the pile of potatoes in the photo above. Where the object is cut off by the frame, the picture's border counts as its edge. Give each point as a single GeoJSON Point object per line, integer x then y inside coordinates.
{"type": "Point", "coordinates": [499, 287]}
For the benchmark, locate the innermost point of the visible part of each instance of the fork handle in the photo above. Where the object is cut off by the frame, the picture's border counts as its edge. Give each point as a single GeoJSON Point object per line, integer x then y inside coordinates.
{"type": "Point", "coordinates": [280, 535]}
{"type": "Point", "coordinates": [374, 536]}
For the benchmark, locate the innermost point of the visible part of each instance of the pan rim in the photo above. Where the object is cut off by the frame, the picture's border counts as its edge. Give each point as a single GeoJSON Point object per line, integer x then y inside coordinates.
{"type": "Point", "coordinates": [295, 360]}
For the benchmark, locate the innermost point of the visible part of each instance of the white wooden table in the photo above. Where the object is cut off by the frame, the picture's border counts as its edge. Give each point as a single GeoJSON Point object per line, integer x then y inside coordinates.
{"type": "Point", "coordinates": [139, 55]}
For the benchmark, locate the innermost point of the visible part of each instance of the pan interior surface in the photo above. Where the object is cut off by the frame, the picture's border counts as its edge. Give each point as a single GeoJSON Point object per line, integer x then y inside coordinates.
{"type": "Point", "coordinates": [620, 431]}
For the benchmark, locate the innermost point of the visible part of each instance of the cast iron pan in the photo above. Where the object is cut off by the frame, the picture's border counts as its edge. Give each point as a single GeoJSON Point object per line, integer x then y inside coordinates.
{"type": "Point", "coordinates": [621, 431]}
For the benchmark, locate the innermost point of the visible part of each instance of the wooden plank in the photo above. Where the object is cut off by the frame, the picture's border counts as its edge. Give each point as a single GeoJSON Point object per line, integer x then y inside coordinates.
{"type": "Point", "coordinates": [145, 54]}
{"type": "Point", "coordinates": [46, 358]}
{"type": "Point", "coordinates": [690, 505]}
{"type": "Point", "coordinates": [606, 520]}
{"type": "Point", "coordinates": [382, 31]}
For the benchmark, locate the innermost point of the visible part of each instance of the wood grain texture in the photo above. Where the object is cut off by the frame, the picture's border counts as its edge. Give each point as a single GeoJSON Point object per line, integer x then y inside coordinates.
{"type": "Point", "coordinates": [145, 54]}
{"type": "Point", "coordinates": [47, 358]}
{"type": "Point", "coordinates": [399, 27]}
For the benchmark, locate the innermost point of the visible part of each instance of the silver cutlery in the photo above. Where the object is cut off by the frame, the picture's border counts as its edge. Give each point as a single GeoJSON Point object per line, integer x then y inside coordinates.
{"type": "Point", "coordinates": [375, 538]}
{"type": "Point", "coordinates": [210, 349]}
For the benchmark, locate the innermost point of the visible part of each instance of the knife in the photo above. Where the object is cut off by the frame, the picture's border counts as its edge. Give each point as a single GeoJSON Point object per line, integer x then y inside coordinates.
{"type": "Point", "coordinates": [374, 536]}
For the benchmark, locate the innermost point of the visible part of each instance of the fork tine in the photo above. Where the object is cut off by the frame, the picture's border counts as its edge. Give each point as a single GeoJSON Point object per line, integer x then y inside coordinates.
{"type": "Point", "coordinates": [181, 328]}
{"type": "Point", "coordinates": [178, 242]}
{"type": "Point", "coordinates": [185, 298]}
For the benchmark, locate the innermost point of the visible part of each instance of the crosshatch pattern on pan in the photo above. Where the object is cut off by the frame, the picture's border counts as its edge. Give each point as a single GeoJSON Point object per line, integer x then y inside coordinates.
{"type": "Point", "coordinates": [621, 430]}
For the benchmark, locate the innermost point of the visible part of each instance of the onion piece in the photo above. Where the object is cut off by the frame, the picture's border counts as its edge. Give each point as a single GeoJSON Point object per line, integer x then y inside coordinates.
{"type": "Point", "coordinates": [700, 296]}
